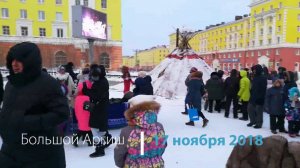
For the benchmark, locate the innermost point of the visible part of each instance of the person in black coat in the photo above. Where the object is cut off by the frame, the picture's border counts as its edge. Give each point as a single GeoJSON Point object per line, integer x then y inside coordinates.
{"type": "Point", "coordinates": [194, 96]}
{"type": "Point", "coordinates": [289, 82]}
{"type": "Point", "coordinates": [257, 97]}
{"type": "Point", "coordinates": [214, 87]}
{"type": "Point", "coordinates": [143, 85]}
{"type": "Point", "coordinates": [274, 105]}
{"type": "Point", "coordinates": [99, 96]}
{"type": "Point", "coordinates": [231, 88]}
{"type": "Point", "coordinates": [69, 68]}
{"type": "Point", "coordinates": [281, 71]}
{"type": "Point", "coordinates": [33, 107]}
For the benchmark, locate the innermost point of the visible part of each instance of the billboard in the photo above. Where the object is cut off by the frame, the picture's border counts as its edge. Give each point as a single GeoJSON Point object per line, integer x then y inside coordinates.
{"type": "Point", "coordinates": [88, 23]}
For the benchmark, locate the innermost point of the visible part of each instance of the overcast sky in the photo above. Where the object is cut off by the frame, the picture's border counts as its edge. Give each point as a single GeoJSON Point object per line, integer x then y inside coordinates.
{"type": "Point", "coordinates": [147, 23]}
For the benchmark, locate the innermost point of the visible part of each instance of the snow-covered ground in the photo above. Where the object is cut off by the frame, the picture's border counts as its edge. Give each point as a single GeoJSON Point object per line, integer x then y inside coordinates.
{"type": "Point", "coordinates": [177, 156]}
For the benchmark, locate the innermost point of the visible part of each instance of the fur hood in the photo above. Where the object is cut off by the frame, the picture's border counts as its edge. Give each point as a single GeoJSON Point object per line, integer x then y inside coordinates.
{"type": "Point", "coordinates": [143, 114]}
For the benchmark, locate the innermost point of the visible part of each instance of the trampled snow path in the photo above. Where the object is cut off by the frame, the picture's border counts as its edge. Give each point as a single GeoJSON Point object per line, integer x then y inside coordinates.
{"type": "Point", "coordinates": [177, 156]}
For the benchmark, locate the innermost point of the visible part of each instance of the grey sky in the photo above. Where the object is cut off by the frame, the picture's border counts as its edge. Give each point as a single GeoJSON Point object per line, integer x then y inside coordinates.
{"type": "Point", "coordinates": [147, 23]}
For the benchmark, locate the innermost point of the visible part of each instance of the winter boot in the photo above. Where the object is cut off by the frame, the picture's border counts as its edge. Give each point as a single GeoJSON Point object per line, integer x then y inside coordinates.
{"type": "Point", "coordinates": [191, 123]}
{"type": "Point", "coordinates": [250, 125]}
{"type": "Point", "coordinates": [274, 131]}
{"type": "Point", "coordinates": [205, 121]}
{"type": "Point", "coordinates": [99, 152]}
{"type": "Point", "coordinates": [184, 113]}
{"type": "Point", "coordinates": [108, 140]}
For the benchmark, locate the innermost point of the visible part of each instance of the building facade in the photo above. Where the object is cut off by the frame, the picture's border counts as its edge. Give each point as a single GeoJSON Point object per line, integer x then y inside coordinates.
{"type": "Point", "coordinates": [269, 35]}
{"type": "Point", "coordinates": [49, 24]}
{"type": "Point", "coordinates": [147, 59]}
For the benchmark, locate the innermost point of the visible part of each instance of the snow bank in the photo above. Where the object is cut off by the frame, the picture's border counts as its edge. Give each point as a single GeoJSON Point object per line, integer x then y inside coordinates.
{"type": "Point", "coordinates": [169, 76]}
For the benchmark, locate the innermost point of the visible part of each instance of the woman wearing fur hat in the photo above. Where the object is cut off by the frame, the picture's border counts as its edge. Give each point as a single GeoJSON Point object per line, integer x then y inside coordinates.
{"type": "Point", "coordinates": [99, 96]}
{"type": "Point", "coordinates": [33, 107]}
{"type": "Point", "coordinates": [292, 108]}
{"type": "Point", "coordinates": [142, 119]}
{"type": "Point", "coordinates": [194, 95]}
{"type": "Point", "coordinates": [66, 78]}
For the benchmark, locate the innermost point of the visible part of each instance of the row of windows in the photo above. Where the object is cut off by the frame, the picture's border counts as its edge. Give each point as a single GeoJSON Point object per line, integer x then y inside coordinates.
{"type": "Point", "coordinates": [57, 2]}
{"type": "Point", "coordinates": [86, 3]}
{"type": "Point", "coordinates": [41, 14]}
{"type": "Point", "coordinates": [247, 54]}
{"type": "Point", "coordinates": [24, 31]}
{"type": "Point", "coordinates": [271, 8]}
{"type": "Point", "coordinates": [77, 2]}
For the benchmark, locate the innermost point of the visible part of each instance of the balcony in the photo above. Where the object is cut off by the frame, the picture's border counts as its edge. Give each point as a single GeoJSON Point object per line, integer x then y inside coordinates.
{"type": "Point", "coordinates": [258, 2]}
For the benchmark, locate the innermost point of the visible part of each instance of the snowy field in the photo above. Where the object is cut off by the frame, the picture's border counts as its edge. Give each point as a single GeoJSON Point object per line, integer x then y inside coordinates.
{"type": "Point", "coordinates": [177, 156]}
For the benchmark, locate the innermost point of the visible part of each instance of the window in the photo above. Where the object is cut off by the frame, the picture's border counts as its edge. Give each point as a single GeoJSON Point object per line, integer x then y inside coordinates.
{"type": "Point", "coordinates": [258, 53]}
{"type": "Point", "coordinates": [271, 19]}
{"type": "Point", "coordinates": [279, 16]}
{"type": "Point", "coordinates": [252, 54]}
{"type": "Point", "coordinates": [277, 51]}
{"type": "Point", "coordinates": [77, 2]}
{"type": "Point", "coordinates": [297, 52]}
{"type": "Point", "coordinates": [261, 32]}
{"type": "Point", "coordinates": [267, 52]}
{"type": "Point", "coordinates": [247, 54]}
{"type": "Point", "coordinates": [234, 56]}
{"type": "Point", "coordinates": [271, 7]}
{"type": "Point", "coordinates": [60, 33]}
{"type": "Point", "coordinates": [253, 43]}
{"type": "Point", "coordinates": [229, 55]}
{"type": "Point", "coordinates": [298, 17]}
{"type": "Point", "coordinates": [58, 2]}
{"type": "Point", "coordinates": [41, 15]}
{"type": "Point", "coordinates": [5, 30]}
{"type": "Point", "coordinates": [5, 13]}
{"type": "Point", "coordinates": [42, 32]}
{"type": "Point", "coordinates": [86, 2]}
{"type": "Point", "coordinates": [59, 16]}
{"type": "Point", "coordinates": [240, 54]}
{"type": "Point", "coordinates": [298, 40]}
{"type": "Point", "coordinates": [279, 28]}
{"type": "Point", "coordinates": [269, 41]}
{"type": "Point", "coordinates": [23, 14]}
{"type": "Point", "coordinates": [270, 30]}
{"type": "Point", "coordinates": [263, 10]}
{"type": "Point", "coordinates": [103, 4]}
{"type": "Point", "coordinates": [280, 4]}
{"type": "Point", "coordinates": [24, 31]}
{"type": "Point", "coordinates": [23, 1]}
{"type": "Point", "coordinates": [41, 1]}
{"type": "Point", "coordinates": [262, 21]}
{"type": "Point", "coordinates": [278, 40]}
{"type": "Point", "coordinates": [298, 28]}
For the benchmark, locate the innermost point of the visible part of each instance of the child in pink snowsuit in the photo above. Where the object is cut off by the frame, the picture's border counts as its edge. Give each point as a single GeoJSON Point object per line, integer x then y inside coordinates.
{"type": "Point", "coordinates": [82, 115]}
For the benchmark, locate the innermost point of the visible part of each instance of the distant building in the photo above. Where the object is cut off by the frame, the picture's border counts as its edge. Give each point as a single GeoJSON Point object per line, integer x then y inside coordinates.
{"type": "Point", "coordinates": [270, 35]}
{"type": "Point", "coordinates": [49, 24]}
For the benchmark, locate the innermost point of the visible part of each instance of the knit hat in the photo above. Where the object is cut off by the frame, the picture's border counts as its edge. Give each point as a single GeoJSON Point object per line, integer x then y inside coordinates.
{"type": "Point", "coordinates": [193, 69]}
{"type": "Point", "coordinates": [140, 99]}
{"type": "Point", "coordinates": [294, 92]}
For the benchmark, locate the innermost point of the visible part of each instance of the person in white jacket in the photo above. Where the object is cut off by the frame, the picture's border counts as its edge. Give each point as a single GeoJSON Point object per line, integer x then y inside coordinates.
{"type": "Point", "coordinates": [62, 75]}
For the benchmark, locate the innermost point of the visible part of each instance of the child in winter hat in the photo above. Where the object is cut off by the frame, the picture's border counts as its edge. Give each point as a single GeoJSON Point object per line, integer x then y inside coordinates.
{"type": "Point", "coordinates": [292, 108]}
{"type": "Point", "coordinates": [142, 120]}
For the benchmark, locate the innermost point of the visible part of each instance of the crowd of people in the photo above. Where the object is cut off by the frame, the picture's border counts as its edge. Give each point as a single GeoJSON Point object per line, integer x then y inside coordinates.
{"type": "Point", "coordinates": [37, 106]}
{"type": "Point", "coordinates": [250, 94]}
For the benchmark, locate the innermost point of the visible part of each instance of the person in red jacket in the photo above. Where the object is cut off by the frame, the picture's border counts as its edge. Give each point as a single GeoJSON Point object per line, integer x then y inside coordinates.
{"type": "Point", "coordinates": [127, 79]}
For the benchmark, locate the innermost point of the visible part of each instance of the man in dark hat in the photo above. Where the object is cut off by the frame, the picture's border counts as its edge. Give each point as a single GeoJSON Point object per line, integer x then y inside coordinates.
{"type": "Point", "coordinates": [33, 107]}
{"type": "Point", "coordinates": [257, 97]}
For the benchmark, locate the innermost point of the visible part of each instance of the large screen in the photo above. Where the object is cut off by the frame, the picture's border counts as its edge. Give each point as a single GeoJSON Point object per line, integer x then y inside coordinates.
{"type": "Point", "coordinates": [88, 23]}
